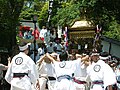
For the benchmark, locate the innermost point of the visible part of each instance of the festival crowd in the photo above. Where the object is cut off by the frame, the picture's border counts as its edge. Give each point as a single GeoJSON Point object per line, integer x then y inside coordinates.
{"type": "Point", "coordinates": [55, 65]}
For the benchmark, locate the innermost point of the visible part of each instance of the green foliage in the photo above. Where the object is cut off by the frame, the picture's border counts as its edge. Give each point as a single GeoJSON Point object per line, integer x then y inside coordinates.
{"type": "Point", "coordinates": [27, 13]}
{"type": "Point", "coordinates": [43, 15]}
{"type": "Point", "coordinates": [66, 15]}
{"type": "Point", "coordinates": [114, 30]}
{"type": "Point", "coordinates": [103, 12]}
{"type": "Point", "coordinates": [31, 8]}
{"type": "Point", "coordinates": [9, 15]}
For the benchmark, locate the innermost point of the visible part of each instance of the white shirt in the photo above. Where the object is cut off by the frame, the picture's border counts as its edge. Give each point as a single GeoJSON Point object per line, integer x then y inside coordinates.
{"type": "Point", "coordinates": [22, 63]}
{"type": "Point", "coordinates": [42, 32]}
{"type": "Point", "coordinates": [101, 71]}
{"type": "Point", "coordinates": [66, 68]}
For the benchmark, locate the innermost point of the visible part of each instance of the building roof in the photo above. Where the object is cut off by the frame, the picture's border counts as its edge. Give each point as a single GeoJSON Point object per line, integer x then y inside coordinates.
{"type": "Point", "coordinates": [29, 23]}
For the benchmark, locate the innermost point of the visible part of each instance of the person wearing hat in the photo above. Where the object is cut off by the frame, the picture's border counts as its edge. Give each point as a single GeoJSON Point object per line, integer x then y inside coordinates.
{"type": "Point", "coordinates": [22, 73]}
{"type": "Point", "coordinates": [101, 74]}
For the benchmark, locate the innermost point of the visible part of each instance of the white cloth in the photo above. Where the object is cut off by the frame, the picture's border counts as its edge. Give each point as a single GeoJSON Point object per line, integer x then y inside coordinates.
{"type": "Point", "coordinates": [42, 81]}
{"type": "Point", "coordinates": [70, 68]}
{"type": "Point", "coordinates": [22, 63]}
{"type": "Point", "coordinates": [101, 71]}
{"type": "Point", "coordinates": [40, 51]}
{"type": "Point", "coordinates": [42, 32]}
{"type": "Point", "coordinates": [45, 70]}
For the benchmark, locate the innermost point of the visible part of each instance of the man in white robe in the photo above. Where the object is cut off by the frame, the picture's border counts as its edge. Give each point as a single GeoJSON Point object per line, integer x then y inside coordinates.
{"type": "Point", "coordinates": [46, 72]}
{"type": "Point", "coordinates": [65, 70]}
{"type": "Point", "coordinates": [100, 73]}
{"type": "Point", "coordinates": [22, 72]}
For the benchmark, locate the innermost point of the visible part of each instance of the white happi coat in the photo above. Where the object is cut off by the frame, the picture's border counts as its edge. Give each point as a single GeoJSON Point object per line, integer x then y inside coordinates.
{"type": "Point", "coordinates": [101, 71]}
{"type": "Point", "coordinates": [71, 67]}
{"type": "Point", "coordinates": [22, 63]}
{"type": "Point", "coordinates": [45, 70]}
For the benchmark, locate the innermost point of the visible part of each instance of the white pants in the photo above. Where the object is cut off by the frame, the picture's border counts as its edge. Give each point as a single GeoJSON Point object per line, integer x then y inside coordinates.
{"type": "Point", "coordinates": [21, 84]}
{"type": "Point", "coordinates": [42, 81]}
{"type": "Point", "coordinates": [80, 86]}
{"type": "Point", "coordinates": [64, 84]}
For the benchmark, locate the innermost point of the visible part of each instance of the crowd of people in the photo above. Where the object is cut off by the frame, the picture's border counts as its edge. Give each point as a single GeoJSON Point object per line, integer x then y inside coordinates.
{"type": "Point", "coordinates": [36, 34]}
{"type": "Point", "coordinates": [53, 67]}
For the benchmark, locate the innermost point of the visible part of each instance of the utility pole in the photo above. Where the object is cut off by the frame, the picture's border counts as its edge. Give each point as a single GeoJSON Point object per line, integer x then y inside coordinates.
{"type": "Point", "coordinates": [35, 27]}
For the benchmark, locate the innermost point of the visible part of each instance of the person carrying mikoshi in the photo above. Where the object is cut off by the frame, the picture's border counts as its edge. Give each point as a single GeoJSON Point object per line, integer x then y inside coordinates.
{"type": "Point", "coordinates": [46, 71]}
{"type": "Point", "coordinates": [100, 73]}
{"type": "Point", "coordinates": [22, 73]}
{"type": "Point", "coordinates": [64, 70]}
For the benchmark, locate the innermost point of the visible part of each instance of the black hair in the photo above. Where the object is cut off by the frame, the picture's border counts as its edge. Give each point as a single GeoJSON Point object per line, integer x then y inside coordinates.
{"type": "Point", "coordinates": [45, 50]}
{"type": "Point", "coordinates": [55, 49]}
{"type": "Point", "coordinates": [22, 44]}
{"type": "Point", "coordinates": [104, 54]}
{"type": "Point", "coordinates": [63, 56]}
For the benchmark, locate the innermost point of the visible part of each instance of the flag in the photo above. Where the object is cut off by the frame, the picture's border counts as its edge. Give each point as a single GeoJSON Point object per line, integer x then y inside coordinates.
{"type": "Point", "coordinates": [66, 38]}
{"type": "Point", "coordinates": [98, 34]}
{"type": "Point", "coordinates": [99, 29]}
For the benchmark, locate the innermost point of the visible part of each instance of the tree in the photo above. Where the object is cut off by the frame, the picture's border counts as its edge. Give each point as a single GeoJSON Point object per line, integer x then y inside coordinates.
{"type": "Point", "coordinates": [43, 15]}
{"type": "Point", "coordinates": [114, 30]}
{"type": "Point", "coordinates": [107, 13]}
{"type": "Point", "coordinates": [66, 11]}
{"type": "Point", "coordinates": [9, 15]}
{"type": "Point", "coordinates": [66, 14]}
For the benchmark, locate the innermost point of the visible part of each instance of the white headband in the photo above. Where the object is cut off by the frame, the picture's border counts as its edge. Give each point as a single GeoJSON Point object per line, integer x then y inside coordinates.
{"type": "Point", "coordinates": [94, 54]}
{"type": "Point", "coordinates": [104, 58]}
{"type": "Point", "coordinates": [23, 47]}
{"type": "Point", "coordinates": [53, 54]}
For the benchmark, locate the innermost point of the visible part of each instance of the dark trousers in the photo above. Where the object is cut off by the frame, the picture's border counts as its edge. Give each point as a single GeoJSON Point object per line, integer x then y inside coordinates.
{"type": "Point", "coordinates": [114, 87]}
{"type": "Point", "coordinates": [4, 85]}
{"type": "Point", "coordinates": [0, 85]}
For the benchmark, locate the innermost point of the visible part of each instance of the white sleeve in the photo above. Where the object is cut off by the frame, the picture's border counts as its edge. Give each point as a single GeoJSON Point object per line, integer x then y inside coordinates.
{"type": "Point", "coordinates": [109, 76]}
{"type": "Point", "coordinates": [8, 75]}
{"type": "Point", "coordinates": [33, 73]}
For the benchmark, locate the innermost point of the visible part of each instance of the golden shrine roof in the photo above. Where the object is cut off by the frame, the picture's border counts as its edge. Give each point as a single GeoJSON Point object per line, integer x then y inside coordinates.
{"type": "Point", "coordinates": [82, 25]}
